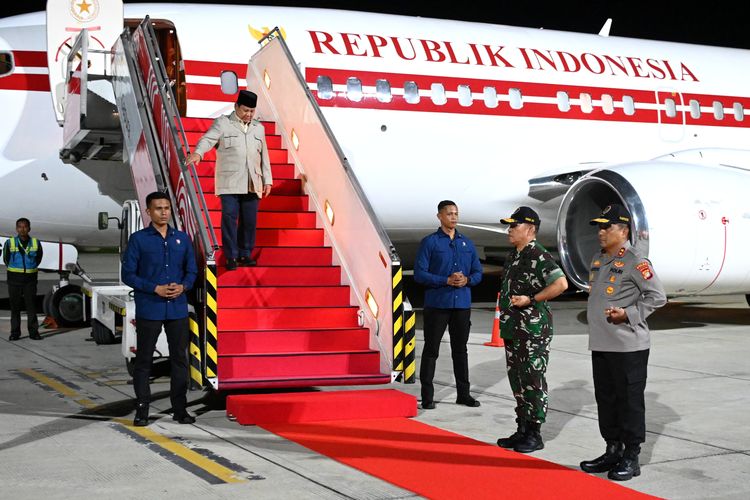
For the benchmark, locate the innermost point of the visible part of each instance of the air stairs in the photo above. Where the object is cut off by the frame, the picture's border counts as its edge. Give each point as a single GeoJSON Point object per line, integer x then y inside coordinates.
{"type": "Point", "coordinates": [324, 305]}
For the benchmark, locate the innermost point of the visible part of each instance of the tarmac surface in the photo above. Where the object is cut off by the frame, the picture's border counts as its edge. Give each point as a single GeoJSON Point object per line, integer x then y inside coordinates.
{"type": "Point", "coordinates": [66, 405]}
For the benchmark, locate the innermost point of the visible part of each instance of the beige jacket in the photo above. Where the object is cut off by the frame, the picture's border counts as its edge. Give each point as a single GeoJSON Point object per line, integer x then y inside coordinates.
{"type": "Point", "coordinates": [241, 157]}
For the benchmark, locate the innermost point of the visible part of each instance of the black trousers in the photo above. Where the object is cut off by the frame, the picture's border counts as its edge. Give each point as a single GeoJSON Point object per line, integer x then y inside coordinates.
{"type": "Point", "coordinates": [619, 386]}
{"type": "Point", "coordinates": [242, 208]}
{"type": "Point", "coordinates": [20, 294]}
{"type": "Point", "coordinates": [177, 337]}
{"type": "Point", "coordinates": [458, 322]}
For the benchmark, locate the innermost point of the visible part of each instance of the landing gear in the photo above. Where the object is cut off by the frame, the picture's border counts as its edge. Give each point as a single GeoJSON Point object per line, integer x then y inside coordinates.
{"type": "Point", "coordinates": [66, 306]}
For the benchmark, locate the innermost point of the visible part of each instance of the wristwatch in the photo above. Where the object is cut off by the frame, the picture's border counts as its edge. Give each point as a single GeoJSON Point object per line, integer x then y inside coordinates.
{"type": "Point", "coordinates": [532, 300]}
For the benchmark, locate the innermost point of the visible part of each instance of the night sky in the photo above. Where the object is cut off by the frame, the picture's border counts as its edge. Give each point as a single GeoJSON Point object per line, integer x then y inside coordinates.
{"type": "Point", "coordinates": [720, 22]}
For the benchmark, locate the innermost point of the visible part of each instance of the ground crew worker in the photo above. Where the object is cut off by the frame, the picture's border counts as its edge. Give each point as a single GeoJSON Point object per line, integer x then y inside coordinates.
{"type": "Point", "coordinates": [242, 176]}
{"type": "Point", "coordinates": [22, 255]}
{"type": "Point", "coordinates": [623, 291]}
{"type": "Point", "coordinates": [531, 278]}
{"type": "Point", "coordinates": [448, 266]}
{"type": "Point", "coordinates": [159, 264]}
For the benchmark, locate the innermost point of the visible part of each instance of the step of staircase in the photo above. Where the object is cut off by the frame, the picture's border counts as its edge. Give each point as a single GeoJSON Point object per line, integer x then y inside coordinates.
{"type": "Point", "coordinates": [280, 186]}
{"type": "Point", "coordinates": [286, 237]}
{"type": "Point", "coordinates": [274, 155]}
{"type": "Point", "coordinates": [283, 296]}
{"type": "Point", "coordinates": [272, 141]}
{"type": "Point", "coordinates": [206, 168]}
{"type": "Point", "coordinates": [280, 276]}
{"type": "Point", "coordinates": [370, 378]}
{"type": "Point", "coordinates": [277, 220]}
{"type": "Point", "coordinates": [200, 124]}
{"type": "Point", "coordinates": [294, 365]}
{"type": "Point", "coordinates": [301, 407]}
{"type": "Point", "coordinates": [285, 318]}
{"type": "Point", "coordinates": [278, 341]}
{"type": "Point", "coordinates": [276, 202]}
{"type": "Point", "coordinates": [287, 256]}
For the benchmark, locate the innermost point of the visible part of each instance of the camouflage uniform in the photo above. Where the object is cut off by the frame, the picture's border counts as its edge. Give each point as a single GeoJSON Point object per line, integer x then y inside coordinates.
{"type": "Point", "coordinates": [527, 331]}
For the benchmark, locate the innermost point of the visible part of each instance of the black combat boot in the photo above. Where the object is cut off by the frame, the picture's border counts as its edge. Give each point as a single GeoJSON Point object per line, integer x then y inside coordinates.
{"type": "Point", "coordinates": [628, 466]}
{"type": "Point", "coordinates": [532, 439]}
{"type": "Point", "coordinates": [141, 415]}
{"type": "Point", "coordinates": [606, 462]}
{"type": "Point", "coordinates": [514, 438]}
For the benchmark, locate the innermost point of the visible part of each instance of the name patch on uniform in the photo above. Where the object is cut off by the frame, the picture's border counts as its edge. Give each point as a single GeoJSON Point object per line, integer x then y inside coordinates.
{"type": "Point", "coordinates": [610, 290]}
{"type": "Point", "coordinates": [645, 270]}
{"type": "Point", "coordinates": [619, 263]}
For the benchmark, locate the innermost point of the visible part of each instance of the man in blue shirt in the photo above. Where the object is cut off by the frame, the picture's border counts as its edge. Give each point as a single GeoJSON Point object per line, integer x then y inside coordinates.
{"type": "Point", "coordinates": [447, 265]}
{"type": "Point", "coordinates": [159, 264]}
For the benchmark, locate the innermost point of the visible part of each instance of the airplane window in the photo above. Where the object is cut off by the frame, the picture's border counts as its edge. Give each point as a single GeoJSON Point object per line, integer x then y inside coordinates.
{"type": "Point", "coordinates": [718, 110]}
{"type": "Point", "coordinates": [585, 100]}
{"type": "Point", "coordinates": [6, 63]}
{"type": "Point", "coordinates": [325, 88]}
{"type": "Point", "coordinates": [383, 90]}
{"type": "Point", "coordinates": [516, 99]}
{"type": "Point", "coordinates": [695, 109]}
{"type": "Point", "coordinates": [465, 98]}
{"type": "Point", "coordinates": [739, 112]}
{"type": "Point", "coordinates": [411, 92]}
{"type": "Point", "coordinates": [671, 107]}
{"type": "Point", "coordinates": [490, 97]}
{"type": "Point", "coordinates": [563, 101]}
{"type": "Point", "coordinates": [608, 104]}
{"type": "Point", "coordinates": [437, 93]}
{"type": "Point", "coordinates": [354, 89]}
{"type": "Point", "coordinates": [628, 105]}
{"type": "Point", "coordinates": [229, 83]}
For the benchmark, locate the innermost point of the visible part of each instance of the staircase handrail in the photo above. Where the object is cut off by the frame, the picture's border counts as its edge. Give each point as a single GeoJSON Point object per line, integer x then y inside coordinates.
{"type": "Point", "coordinates": [197, 201]}
{"type": "Point", "coordinates": [276, 33]}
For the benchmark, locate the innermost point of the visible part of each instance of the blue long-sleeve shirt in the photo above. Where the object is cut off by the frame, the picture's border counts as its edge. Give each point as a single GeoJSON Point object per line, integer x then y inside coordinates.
{"type": "Point", "coordinates": [152, 260]}
{"type": "Point", "coordinates": [437, 259]}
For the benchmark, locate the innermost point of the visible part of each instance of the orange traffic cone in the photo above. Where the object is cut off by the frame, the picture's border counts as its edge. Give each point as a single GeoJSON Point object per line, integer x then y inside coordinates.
{"type": "Point", "coordinates": [496, 341]}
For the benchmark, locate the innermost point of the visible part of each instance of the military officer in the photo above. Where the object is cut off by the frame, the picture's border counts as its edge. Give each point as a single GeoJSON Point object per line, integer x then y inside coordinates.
{"type": "Point", "coordinates": [531, 278]}
{"type": "Point", "coordinates": [242, 176]}
{"type": "Point", "coordinates": [623, 291]}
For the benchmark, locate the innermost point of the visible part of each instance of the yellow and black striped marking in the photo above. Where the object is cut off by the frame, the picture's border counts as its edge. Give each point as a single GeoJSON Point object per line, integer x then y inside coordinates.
{"type": "Point", "coordinates": [410, 343]}
{"type": "Point", "coordinates": [212, 340]}
{"type": "Point", "coordinates": [117, 309]}
{"type": "Point", "coordinates": [196, 374]}
{"type": "Point", "coordinates": [204, 464]}
{"type": "Point", "coordinates": [398, 318]}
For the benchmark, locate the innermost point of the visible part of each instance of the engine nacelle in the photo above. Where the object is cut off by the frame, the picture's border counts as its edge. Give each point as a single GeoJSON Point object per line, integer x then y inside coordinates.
{"type": "Point", "coordinates": [692, 221]}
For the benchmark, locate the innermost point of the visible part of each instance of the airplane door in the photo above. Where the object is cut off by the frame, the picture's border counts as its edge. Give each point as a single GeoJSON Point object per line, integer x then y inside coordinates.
{"type": "Point", "coordinates": [671, 115]}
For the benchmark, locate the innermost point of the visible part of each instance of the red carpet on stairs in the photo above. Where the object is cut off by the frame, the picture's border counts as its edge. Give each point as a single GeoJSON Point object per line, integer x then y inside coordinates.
{"type": "Point", "coordinates": [289, 321]}
{"type": "Point", "coordinates": [439, 464]}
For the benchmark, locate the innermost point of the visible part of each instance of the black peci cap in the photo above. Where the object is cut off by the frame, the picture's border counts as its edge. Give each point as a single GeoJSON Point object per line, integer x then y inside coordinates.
{"type": "Point", "coordinates": [247, 98]}
{"type": "Point", "coordinates": [612, 214]}
{"type": "Point", "coordinates": [522, 215]}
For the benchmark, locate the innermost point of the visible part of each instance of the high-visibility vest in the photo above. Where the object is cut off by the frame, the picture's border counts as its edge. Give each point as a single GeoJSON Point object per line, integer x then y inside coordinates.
{"type": "Point", "coordinates": [22, 260]}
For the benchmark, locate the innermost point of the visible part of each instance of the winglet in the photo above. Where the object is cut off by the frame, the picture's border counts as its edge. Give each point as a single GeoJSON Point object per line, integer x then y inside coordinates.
{"type": "Point", "coordinates": [605, 29]}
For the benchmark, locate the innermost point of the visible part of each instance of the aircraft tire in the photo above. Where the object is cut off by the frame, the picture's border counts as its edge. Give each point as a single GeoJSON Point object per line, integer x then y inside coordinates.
{"type": "Point", "coordinates": [101, 334]}
{"type": "Point", "coordinates": [66, 306]}
{"type": "Point", "coordinates": [47, 303]}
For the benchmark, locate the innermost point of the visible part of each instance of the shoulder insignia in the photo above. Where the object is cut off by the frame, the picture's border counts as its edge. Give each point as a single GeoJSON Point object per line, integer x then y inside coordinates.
{"type": "Point", "coordinates": [621, 252]}
{"type": "Point", "coordinates": [610, 290]}
{"type": "Point", "coordinates": [645, 270]}
{"type": "Point", "coordinates": [597, 263]}
{"type": "Point", "coordinates": [619, 263]}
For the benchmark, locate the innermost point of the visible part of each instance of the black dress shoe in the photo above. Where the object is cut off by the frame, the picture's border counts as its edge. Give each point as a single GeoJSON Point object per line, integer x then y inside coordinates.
{"type": "Point", "coordinates": [14, 336]}
{"type": "Point", "coordinates": [606, 462]}
{"type": "Point", "coordinates": [428, 405]}
{"type": "Point", "coordinates": [468, 401]}
{"type": "Point", "coordinates": [141, 415]}
{"type": "Point", "coordinates": [626, 469]}
{"type": "Point", "coordinates": [183, 418]}
{"type": "Point", "coordinates": [246, 262]}
{"type": "Point", "coordinates": [231, 264]}
{"type": "Point", "coordinates": [35, 336]}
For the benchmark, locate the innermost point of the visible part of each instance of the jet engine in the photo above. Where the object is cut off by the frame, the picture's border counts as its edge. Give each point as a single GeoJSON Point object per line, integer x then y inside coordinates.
{"type": "Point", "coordinates": [691, 219]}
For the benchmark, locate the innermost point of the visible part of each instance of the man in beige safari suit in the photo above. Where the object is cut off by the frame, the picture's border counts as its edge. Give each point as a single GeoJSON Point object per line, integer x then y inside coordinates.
{"type": "Point", "coordinates": [242, 177]}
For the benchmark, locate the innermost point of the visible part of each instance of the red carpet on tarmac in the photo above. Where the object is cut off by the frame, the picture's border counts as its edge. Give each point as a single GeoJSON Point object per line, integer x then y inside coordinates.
{"type": "Point", "coordinates": [439, 464]}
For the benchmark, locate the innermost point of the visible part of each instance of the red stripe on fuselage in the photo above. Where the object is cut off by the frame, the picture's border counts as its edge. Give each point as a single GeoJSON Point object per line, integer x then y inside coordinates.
{"type": "Point", "coordinates": [23, 81]}
{"type": "Point", "coordinates": [30, 58]}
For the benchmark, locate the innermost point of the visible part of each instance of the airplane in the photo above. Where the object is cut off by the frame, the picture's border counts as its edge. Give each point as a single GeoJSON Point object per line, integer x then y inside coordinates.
{"type": "Point", "coordinates": [490, 116]}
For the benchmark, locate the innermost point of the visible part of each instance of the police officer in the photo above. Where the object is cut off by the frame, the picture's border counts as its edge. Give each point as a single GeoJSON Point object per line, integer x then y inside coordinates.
{"type": "Point", "coordinates": [22, 255]}
{"type": "Point", "coordinates": [623, 291]}
{"type": "Point", "coordinates": [448, 266]}
{"type": "Point", "coordinates": [159, 263]}
{"type": "Point", "coordinates": [531, 278]}
{"type": "Point", "coordinates": [242, 176]}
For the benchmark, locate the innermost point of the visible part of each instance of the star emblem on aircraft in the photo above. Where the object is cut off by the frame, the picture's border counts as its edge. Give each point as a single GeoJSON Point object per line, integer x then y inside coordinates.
{"type": "Point", "coordinates": [83, 10]}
